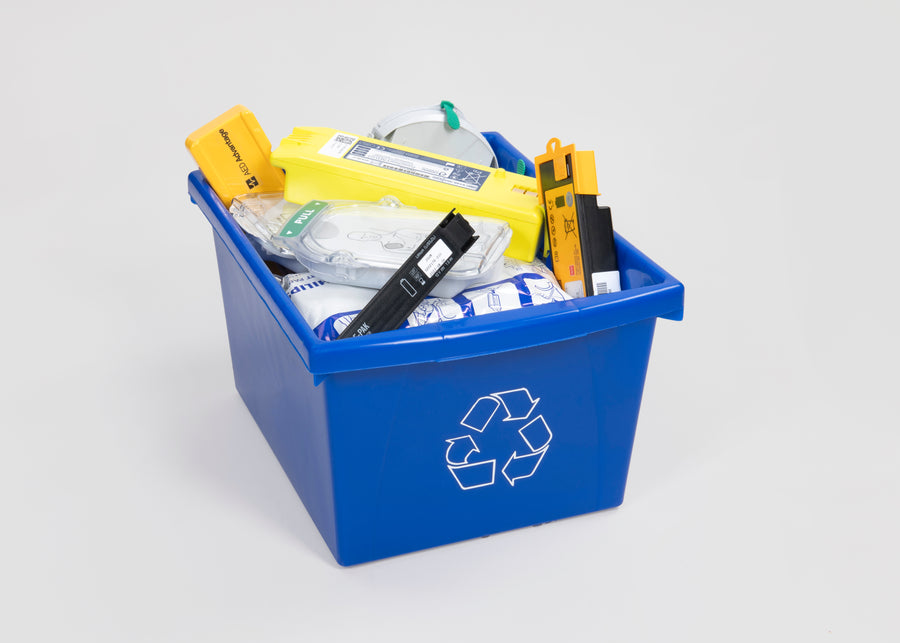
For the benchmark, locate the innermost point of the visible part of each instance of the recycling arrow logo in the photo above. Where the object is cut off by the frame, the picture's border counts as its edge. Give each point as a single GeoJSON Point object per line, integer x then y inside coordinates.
{"type": "Point", "coordinates": [497, 418]}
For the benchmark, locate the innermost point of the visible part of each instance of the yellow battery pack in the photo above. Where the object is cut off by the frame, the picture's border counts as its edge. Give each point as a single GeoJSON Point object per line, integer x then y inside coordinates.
{"type": "Point", "coordinates": [233, 152]}
{"type": "Point", "coordinates": [325, 164]}
{"type": "Point", "coordinates": [579, 230]}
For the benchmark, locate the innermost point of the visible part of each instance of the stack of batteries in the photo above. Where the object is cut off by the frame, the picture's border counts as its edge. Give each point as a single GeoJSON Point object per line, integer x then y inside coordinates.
{"type": "Point", "coordinates": [420, 208]}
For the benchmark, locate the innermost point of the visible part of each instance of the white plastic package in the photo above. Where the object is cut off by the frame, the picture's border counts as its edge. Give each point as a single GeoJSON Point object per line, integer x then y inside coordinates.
{"type": "Point", "coordinates": [328, 308]}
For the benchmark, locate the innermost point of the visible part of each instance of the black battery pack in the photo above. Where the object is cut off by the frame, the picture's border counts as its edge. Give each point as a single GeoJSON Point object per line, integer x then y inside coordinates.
{"type": "Point", "coordinates": [598, 246]}
{"type": "Point", "coordinates": [417, 277]}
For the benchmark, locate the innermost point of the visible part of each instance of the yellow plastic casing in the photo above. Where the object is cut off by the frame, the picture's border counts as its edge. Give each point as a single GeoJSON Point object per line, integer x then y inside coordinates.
{"type": "Point", "coordinates": [325, 164]}
{"type": "Point", "coordinates": [233, 152]}
{"type": "Point", "coordinates": [579, 167]}
{"type": "Point", "coordinates": [562, 173]}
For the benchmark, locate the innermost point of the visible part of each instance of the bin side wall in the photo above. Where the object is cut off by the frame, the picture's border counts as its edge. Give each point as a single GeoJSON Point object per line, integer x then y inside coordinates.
{"type": "Point", "coordinates": [280, 393]}
{"type": "Point", "coordinates": [557, 422]}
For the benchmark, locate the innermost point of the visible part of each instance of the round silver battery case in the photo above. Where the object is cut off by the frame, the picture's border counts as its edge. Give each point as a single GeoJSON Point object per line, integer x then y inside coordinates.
{"type": "Point", "coordinates": [439, 129]}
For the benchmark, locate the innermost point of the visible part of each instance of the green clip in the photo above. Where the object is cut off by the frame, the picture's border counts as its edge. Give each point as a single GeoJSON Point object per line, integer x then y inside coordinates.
{"type": "Point", "coordinates": [452, 118]}
{"type": "Point", "coordinates": [520, 166]}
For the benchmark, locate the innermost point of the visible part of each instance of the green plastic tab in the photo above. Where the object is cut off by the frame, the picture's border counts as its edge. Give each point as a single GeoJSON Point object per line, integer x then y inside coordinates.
{"type": "Point", "coordinates": [452, 118]}
{"type": "Point", "coordinates": [520, 166]}
{"type": "Point", "coordinates": [304, 215]}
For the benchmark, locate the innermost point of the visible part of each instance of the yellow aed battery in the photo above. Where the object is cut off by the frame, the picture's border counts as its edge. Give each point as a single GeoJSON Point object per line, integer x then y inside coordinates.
{"type": "Point", "coordinates": [579, 230]}
{"type": "Point", "coordinates": [232, 151]}
{"type": "Point", "coordinates": [326, 164]}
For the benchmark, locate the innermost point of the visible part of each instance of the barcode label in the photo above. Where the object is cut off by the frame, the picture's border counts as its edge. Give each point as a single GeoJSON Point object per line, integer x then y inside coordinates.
{"type": "Point", "coordinates": [420, 165]}
{"type": "Point", "coordinates": [338, 145]}
{"type": "Point", "coordinates": [605, 282]}
{"type": "Point", "coordinates": [435, 258]}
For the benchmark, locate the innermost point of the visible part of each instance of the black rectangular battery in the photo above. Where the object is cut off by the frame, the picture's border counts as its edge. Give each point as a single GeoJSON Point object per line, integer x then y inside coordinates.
{"type": "Point", "coordinates": [412, 282]}
{"type": "Point", "coordinates": [598, 246]}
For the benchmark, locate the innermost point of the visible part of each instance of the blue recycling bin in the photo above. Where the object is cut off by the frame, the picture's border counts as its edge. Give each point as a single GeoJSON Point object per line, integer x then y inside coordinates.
{"type": "Point", "coordinates": [410, 439]}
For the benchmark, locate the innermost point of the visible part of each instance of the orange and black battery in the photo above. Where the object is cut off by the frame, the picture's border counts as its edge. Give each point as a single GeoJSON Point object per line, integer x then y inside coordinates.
{"type": "Point", "coordinates": [579, 230]}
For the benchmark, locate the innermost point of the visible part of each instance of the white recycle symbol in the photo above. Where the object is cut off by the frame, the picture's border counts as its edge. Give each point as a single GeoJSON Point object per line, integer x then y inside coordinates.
{"type": "Point", "coordinates": [518, 406]}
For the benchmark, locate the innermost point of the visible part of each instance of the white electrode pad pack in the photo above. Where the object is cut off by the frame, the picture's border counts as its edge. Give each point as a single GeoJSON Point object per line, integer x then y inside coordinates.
{"type": "Point", "coordinates": [361, 243]}
{"type": "Point", "coordinates": [328, 308]}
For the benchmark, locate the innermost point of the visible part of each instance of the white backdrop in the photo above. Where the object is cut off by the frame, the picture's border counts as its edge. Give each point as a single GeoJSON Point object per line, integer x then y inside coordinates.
{"type": "Point", "coordinates": [750, 149]}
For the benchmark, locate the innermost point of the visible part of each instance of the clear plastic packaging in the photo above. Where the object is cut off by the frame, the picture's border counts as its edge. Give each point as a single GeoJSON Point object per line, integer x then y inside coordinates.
{"type": "Point", "coordinates": [361, 243]}
{"type": "Point", "coordinates": [262, 216]}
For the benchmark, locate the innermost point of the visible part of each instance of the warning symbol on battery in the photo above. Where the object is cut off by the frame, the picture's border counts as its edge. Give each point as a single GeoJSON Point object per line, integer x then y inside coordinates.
{"type": "Point", "coordinates": [517, 437]}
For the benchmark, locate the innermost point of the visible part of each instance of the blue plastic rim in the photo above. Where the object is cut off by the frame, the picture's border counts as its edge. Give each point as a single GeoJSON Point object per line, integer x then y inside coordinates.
{"type": "Point", "coordinates": [425, 436]}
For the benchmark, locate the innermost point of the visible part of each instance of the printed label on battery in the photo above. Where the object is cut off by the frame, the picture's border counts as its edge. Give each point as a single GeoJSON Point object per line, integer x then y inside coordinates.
{"type": "Point", "coordinates": [303, 216]}
{"type": "Point", "coordinates": [605, 282]}
{"type": "Point", "coordinates": [435, 258]}
{"type": "Point", "coordinates": [338, 144]}
{"type": "Point", "coordinates": [425, 167]}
